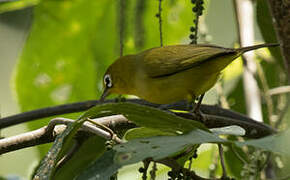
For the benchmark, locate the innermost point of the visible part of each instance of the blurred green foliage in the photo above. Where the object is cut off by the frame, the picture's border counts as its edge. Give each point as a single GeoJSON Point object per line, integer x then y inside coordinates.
{"type": "Point", "coordinates": [71, 42]}
{"type": "Point", "coordinates": [10, 5]}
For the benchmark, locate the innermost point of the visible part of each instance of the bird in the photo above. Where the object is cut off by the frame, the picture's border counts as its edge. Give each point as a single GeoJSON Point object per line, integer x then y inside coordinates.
{"type": "Point", "coordinates": [164, 75]}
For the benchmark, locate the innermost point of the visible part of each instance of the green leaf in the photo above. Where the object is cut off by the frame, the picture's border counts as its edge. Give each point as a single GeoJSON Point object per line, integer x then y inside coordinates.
{"type": "Point", "coordinates": [229, 130]}
{"type": "Point", "coordinates": [139, 149]}
{"type": "Point", "coordinates": [143, 132]}
{"type": "Point", "coordinates": [91, 149]}
{"type": "Point", "coordinates": [16, 5]}
{"type": "Point", "coordinates": [102, 169]}
{"type": "Point", "coordinates": [61, 145]}
{"type": "Point", "coordinates": [278, 143]}
{"type": "Point", "coordinates": [63, 59]}
{"type": "Point", "coordinates": [162, 146]}
{"type": "Point", "coordinates": [145, 116]}
{"type": "Point", "coordinates": [233, 163]}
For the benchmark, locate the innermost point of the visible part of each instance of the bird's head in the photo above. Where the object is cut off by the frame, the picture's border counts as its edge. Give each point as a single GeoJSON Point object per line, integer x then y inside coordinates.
{"type": "Point", "coordinates": [117, 79]}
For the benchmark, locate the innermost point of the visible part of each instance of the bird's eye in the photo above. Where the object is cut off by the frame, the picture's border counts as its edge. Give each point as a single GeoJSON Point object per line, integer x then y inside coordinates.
{"type": "Point", "coordinates": [108, 81]}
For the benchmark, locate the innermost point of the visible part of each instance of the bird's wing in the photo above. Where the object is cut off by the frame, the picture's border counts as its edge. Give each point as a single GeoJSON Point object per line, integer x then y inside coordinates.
{"type": "Point", "coordinates": [165, 61]}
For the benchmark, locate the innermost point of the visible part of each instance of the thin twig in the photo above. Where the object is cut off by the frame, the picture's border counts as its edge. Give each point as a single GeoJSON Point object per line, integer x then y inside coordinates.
{"type": "Point", "coordinates": [282, 113]}
{"type": "Point", "coordinates": [238, 155]}
{"type": "Point", "coordinates": [221, 153]}
{"type": "Point", "coordinates": [159, 16]}
{"type": "Point", "coordinates": [102, 126]}
{"type": "Point", "coordinates": [279, 90]}
{"type": "Point", "coordinates": [122, 25]}
{"type": "Point", "coordinates": [267, 96]}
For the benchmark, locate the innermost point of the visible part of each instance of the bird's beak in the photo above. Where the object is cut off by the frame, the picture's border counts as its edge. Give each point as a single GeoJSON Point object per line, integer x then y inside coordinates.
{"type": "Point", "coordinates": [104, 95]}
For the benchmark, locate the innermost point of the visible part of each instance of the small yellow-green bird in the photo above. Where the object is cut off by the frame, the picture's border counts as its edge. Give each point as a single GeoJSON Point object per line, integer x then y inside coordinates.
{"type": "Point", "coordinates": [164, 75]}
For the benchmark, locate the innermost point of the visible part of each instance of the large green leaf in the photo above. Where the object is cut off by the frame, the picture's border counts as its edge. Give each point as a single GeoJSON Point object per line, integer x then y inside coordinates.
{"type": "Point", "coordinates": [102, 169]}
{"type": "Point", "coordinates": [89, 151]}
{"type": "Point", "coordinates": [65, 54]}
{"type": "Point", "coordinates": [278, 143]}
{"type": "Point", "coordinates": [139, 149]}
{"type": "Point", "coordinates": [145, 116]}
{"type": "Point", "coordinates": [163, 146]}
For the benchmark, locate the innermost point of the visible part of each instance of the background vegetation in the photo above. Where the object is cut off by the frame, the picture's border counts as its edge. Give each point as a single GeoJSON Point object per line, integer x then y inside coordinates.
{"type": "Point", "coordinates": [63, 48]}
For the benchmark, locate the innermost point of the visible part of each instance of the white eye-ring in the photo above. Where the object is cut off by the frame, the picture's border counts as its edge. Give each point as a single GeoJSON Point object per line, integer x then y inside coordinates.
{"type": "Point", "coordinates": [108, 81]}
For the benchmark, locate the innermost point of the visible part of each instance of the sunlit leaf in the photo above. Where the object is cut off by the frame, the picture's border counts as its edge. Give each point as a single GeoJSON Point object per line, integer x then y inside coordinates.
{"type": "Point", "coordinates": [65, 54]}
{"type": "Point", "coordinates": [139, 149]}
{"type": "Point", "coordinates": [145, 116]}
{"type": "Point", "coordinates": [277, 143]}
{"type": "Point", "coordinates": [229, 130]}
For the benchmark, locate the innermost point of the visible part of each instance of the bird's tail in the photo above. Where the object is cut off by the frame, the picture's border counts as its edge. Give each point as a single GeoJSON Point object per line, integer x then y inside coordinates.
{"type": "Point", "coordinates": [250, 48]}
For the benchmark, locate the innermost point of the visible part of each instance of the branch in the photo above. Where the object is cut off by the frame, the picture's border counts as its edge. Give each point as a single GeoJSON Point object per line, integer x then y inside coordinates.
{"type": "Point", "coordinates": [279, 90]}
{"type": "Point", "coordinates": [48, 133]}
{"type": "Point", "coordinates": [46, 112]}
{"type": "Point", "coordinates": [253, 128]}
{"type": "Point", "coordinates": [216, 116]}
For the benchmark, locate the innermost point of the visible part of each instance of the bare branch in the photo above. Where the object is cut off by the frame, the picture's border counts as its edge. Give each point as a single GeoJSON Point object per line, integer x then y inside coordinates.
{"type": "Point", "coordinates": [48, 133]}
{"type": "Point", "coordinates": [82, 106]}
{"type": "Point", "coordinates": [279, 90]}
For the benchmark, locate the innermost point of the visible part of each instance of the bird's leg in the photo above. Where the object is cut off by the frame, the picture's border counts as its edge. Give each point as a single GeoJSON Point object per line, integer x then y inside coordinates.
{"type": "Point", "coordinates": [191, 103]}
{"type": "Point", "coordinates": [197, 106]}
{"type": "Point", "coordinates": [196, 109]}
{"type": "Point", "coordinates": [120, 98]}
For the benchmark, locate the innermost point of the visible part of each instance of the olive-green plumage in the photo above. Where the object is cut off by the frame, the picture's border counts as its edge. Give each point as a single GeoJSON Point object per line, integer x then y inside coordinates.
{"type": "Point", "coordinates": [168, 74]}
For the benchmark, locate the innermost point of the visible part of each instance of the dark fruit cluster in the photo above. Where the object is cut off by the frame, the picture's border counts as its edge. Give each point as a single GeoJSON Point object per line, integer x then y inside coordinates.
{"type": "Point", "coordinates": [197, 9]}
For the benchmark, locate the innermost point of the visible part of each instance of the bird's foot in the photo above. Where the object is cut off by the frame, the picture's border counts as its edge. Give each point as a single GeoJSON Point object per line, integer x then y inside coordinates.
{"type": "Point", "coordinates": [120, 99]}
{"type": "Point", "coordinates": [199, 115]}
{"type": "Point", "coordinates": [165, 106]}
